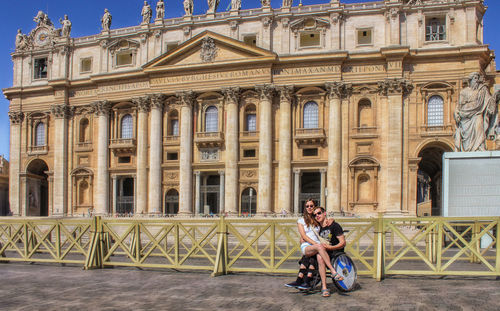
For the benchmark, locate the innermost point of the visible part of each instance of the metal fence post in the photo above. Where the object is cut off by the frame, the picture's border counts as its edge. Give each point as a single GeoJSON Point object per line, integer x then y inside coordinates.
{"type": "Point", "coordinates": [379, 248]}
{"type": "Point", "coordinates": [221, 257]}
{"type": "Point", "coordinates": [95, 255]}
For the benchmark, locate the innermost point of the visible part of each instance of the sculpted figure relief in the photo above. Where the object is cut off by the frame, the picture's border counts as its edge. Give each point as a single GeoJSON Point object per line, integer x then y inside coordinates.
{"type": "Point", "coordinates": [42, 19]}
{"type": "Point", "coordinates": [106, 20]}
{"type": "Point", "coordinates": [21, 40]}
{"type": "Point", "coordinates": [265, 3]}
{"type": "Point", "coordinates": [146, 13]}
{"type": "Point", "coordinates": [235, 5]}
{"type": "Point", "coordinates": [160, 9]}
{"type": "Point", "coordinates": [66, 26]}
{"type": "Point", "coordinates": [188, 7]}
{"type": "Point", "coordinates": [212, 6]}
{"type": "Point", "coordinates": [476, 115]}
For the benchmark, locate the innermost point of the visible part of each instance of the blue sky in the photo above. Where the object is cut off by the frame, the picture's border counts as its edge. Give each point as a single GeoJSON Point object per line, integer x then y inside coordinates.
{"type": "Point", "coordinates": [85, 16]}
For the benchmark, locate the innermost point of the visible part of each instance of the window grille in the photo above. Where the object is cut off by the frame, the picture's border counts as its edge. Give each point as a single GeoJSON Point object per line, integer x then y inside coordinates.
{"type": "Point", "coordinates": [175, 127]}
{"type": "Point", "coordinates": [435, 111]}
{"type": "Point", "coordinates": [435, 30]}
{"type": "Point", "coordinates": [211, 119]}
{"type": "Point", "coordinates": [40, 134]}
{"type": "Point", "coordinates": [251, 122]}
{"type": "Point", "coordinates": [311, 115]}
{"type": "Point", "coordinates": [127, 127]}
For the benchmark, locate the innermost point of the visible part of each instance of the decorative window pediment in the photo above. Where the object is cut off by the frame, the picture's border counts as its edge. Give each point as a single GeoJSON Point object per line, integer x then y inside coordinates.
{"type": "Point", "coordinates": [308, 24]}
{"type": "Point", "coordinates": [123, 45]}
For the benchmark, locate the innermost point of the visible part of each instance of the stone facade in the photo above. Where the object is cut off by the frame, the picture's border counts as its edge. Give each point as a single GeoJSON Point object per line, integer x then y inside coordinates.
{"type": "Point", "coordinates": [4, 187]}
{"type": "Point", "coordinates": [246, 111]}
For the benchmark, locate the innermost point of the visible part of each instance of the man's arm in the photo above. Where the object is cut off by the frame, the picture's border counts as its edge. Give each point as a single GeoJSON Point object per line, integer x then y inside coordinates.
{"type": "Point", "coordinates": [339, 245]}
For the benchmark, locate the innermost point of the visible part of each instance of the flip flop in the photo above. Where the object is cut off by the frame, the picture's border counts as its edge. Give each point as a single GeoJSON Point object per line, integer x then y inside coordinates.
{"type": "Point", "coordinates": [337, 277]}
{"type": "Point", "coordinates": [325, 293]}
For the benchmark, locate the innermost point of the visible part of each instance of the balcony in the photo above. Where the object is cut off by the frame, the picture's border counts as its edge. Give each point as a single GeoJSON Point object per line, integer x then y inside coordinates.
{"type": "Point", "coordinates": [249, 136]}
{"type": "Point", "coordinates": [209, 139]}
{"type": "Point", "coordinates": [36, 150]}
{"type": "Point", "coordinates": [436, 130]}
{"type": "Point", "coordinates": [171, 140]}
{"type": "Point", "coordinates": [315, 136]}
{"type": "Point", "coordinates": [83, 146]}
{"type": "Point", "coordinates": [122, 146]}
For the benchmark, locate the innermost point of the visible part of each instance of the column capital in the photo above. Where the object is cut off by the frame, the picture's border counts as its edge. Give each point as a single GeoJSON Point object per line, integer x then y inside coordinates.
{"type": "Point", "coordinates": [395, 86]}
{"type": "Point", "coordinates": [266, 91]}
{"type": "Point", "coordinates": [339, 89]}
{"type": "Point", "coordinates": [16, 117]}
{"type": "Point", "coordinates": [197, 173]}
{"type": "Point", "coordinates": [222, 173]}
{"type": "Point", "coordinates": [101, 107]}
{"type": "Point", "coordinates": [186, 97]}
{"type": "Point", "coordinates": [231, 94]}
{"type": "Point", "coordinates": [143, 103]}
{"type": "Point", "coordinates": [322, 170]}
{"type": "Point", "coordinates": [157, 100]}
{"type": "Point", "coordinates": [60, 111]}
{"type": "Point", "coordinates": [297, 171]}
{"type": "Point", "coordinates": [286, 92]}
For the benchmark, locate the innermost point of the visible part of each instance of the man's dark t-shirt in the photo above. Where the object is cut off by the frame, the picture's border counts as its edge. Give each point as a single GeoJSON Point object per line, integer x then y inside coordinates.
{"type": "Point", "coordinates": [331, 233]}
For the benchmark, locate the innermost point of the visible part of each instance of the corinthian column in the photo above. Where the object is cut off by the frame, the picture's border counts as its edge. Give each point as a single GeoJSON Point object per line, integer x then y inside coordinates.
{"type": "Point", "coordinates": [155, 154]}
{"type": "Point", "coordinates": [185, 158]}
{"type": "Point", "coordinates": [231, 175]}
{"type": "Point", "coordinates": [142, 154]}
{"type": "Point", "coordinates": [60, 113]}
{"type": "Point", "coordinates": [16, 120]}
{"type": "Point", "coordinates": [101, 190]}
{"type": "Point", "coordinates": [392, 144]}
{"type": "Point", "coordinates": [285, 151]}
{"type": "Point", "coordinates": [264, 199]}
{"type": "Point", "coordinates": [336, 91]}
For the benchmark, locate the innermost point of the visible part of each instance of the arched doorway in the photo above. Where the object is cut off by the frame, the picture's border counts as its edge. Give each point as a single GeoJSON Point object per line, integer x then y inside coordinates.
{"type": "Point", "coordinates": [172, 202]}
{"type": "Point", "coordinates": [37, 189]}
{"type": "Point", "coordinates": [248, 202]}
{"type": "Point", "coordinates": [429, 179]}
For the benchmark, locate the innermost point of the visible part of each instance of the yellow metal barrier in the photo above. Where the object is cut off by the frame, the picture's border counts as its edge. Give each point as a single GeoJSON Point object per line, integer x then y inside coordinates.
{"type": "Point", "coordinates": [378, 246]}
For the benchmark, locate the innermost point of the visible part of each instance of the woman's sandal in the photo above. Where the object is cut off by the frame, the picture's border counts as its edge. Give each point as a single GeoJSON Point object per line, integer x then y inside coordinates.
{"type": "Point", "coordinates": [337, 277]}
{"type": "Point", "coordinates": [325, 293]}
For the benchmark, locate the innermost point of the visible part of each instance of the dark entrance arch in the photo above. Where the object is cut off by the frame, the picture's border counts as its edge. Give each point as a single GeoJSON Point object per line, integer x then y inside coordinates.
{"type": "Point", "coordinates": [172, 202]}
{"type": "Point", "coordinates": [429, 179]}
{"type": "Point", "coordinates": [37, 189]}
{"type": "Point", "coordinates": [248, 202]}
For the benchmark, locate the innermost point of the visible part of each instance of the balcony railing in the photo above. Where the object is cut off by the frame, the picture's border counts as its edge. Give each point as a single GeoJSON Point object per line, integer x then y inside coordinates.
{"type": "Point", "coordinates": [209, 139]}
{"type": "Point", "coordinates": [310, 136]}
{"type": "Point", "coordinates": [38, 149]}
{"type": "Point", "coordinates": [171, 140]}
{"type": "Point", "coordinates": [83, 146]}
{"type": "Point", "coordinates": [122, 145]}
{"type": "Point", "coordinates": [249, 136]}
{"type": "Point", "coordinates": [436, 130]}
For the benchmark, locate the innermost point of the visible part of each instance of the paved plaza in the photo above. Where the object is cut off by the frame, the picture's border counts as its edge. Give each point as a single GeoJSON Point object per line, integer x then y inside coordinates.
{"type": "Point", "coordinates": [53, 287]}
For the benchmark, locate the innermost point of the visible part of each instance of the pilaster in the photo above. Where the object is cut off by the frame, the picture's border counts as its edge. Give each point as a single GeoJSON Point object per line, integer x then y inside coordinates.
{"type": "Point", "coordinates": [186, 99]}
{"type": "Point", "coordinates": [155, 154]}
{"type": "Point", "coordinates": [16, 119]}
{"type": "Point", "coordinates": [143, 106]}
{"type": "Point", "coordinates": [101, 191]}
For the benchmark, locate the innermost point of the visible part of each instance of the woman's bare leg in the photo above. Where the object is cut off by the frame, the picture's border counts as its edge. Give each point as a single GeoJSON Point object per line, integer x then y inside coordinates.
{"type": "Point", "coordinates": [322, 271]}
{"type": "Point", "coordinates": [312, 250]}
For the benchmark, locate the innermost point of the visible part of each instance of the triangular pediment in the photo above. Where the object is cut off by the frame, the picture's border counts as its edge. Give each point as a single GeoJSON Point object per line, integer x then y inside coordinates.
{"type": "Point", "coordinates": [209, 49]}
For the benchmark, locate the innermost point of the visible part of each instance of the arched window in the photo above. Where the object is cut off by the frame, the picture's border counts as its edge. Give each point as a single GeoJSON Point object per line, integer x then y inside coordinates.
{"type": "Point", "coordinates": [172, 202]}
{"type": "Point", "coordinates": [435, 111]}
{"type": "Point", "coordinates": [311, 115]}
{"type": "Point", "coordinates": [365, 118]}
{"type": "Point", "coordinates": [250, 119]}
{"type": "Point", "coordinates": [173, 121]}
{"type": "Point", "coordinates": [127, 127]}
{"type": "Point", "coordinates": [40, 134]}
{"type": "Point", "coordinates": [84, 130]}
{"type": "Point", "coordinates": [211, 119]}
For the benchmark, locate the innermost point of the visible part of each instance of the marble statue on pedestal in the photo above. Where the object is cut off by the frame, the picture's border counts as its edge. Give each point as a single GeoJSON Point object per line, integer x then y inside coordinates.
{"type": "Point", "coordinates": [212, 6]}
{"type": "Point", "coordinates": [66, 26]}
{"type": "Point", "coordinates": [106, 20]}
{"type": "Point", "coordinates": [235, 5]}
{"type": "Point", "coordinates": [146, 13]}
{"type": "Point", "coordinates": [476, 115]}
{"type": "Point", "coordinates": [160, 9]}
{"type": "Point", "coordinates": [188, 7]}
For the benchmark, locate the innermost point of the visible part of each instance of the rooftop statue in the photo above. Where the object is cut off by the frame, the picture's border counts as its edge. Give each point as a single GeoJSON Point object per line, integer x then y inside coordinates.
{"type": "Point", "coordinates": [21, 40]}
{"type": "Point", "coordinates": [66, 26]}
{"type": "Point", "coordinates": [212, 6]}
{"type": "Point", "coordinates": [265, 3]}
{"type": "Point", "coordinates": [476, 115]}
{"type": "Point", "coordinates": [146, 13]}
{"type": "Point", "coordinates": [188, 7]}
{"type": "Point", "coordinates": [414, 2]}
{"type": "Point", "coordinates": [160, 9]}
{"type": "Point", "coordinates": [42, 19]}
{"type": "Point", "coordinates": [235, 5]}
{"type": "Point", "coordinates": [106, 20]}
{"type": "Point", "coordinates": [286, 4]}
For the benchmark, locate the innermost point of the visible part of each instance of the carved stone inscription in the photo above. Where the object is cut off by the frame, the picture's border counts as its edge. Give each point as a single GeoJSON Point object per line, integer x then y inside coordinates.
{"type": "Point", "coordinates": [210, 76]}
{"type": "Point", "coordinates": [363, 68]}
{"type": "Point", "coordinates": [306, 70]}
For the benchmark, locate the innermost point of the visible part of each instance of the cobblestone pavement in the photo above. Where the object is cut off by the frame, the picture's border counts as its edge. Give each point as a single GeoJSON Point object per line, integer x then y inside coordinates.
{"type": "Point", "coordinates": [53, 287]}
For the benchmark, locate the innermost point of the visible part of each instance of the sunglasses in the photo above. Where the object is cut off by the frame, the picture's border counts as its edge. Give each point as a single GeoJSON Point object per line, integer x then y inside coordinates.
{"type": "Point", "coordinates": [307, 206]}
{"type": "Point", "coordinates": [317, 214]}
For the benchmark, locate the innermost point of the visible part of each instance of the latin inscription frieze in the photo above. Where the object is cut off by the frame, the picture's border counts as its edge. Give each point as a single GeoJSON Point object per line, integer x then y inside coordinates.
{"type": "Point", "coordinates": [210, 76]}
{"type": "Point", "coordinates": [305, 70]}
{"type": "Point", "coordinates": [363, 68]}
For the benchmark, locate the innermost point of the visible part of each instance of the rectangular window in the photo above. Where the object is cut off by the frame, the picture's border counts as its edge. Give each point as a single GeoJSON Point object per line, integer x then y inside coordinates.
{"type": "Point", "coordinates": [172, 156]}
{"type": "Point", "coordinates": [123, 59]}
{"type": "Point", "coordinates": [251, 122]}
{"type": "Point", "coordinates": [249, 153]}
{"type": "Point", "coordinates": [40, 68]}
{"type": "Point", "coordinates": [250, 40]}
{"type": "Point", "coordinates": [124, 160]}
{"type": "Point", "coordinates": [435, 29]}
{"type": "Point", "coordinates": [175, 127]}
{"type": "Point", "coordinates": [364, 36]}
{"type": "Point", "coordinates": [310, 152]}
{"type": "Point", "coordinates": [309, 39]}
{"type": "Point", "coordinates": [171, 45]}
{"type": "Point", "coordinates": [86, 65]}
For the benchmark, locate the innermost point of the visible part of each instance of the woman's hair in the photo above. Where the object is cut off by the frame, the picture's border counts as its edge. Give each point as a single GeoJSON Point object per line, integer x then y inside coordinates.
{"type": "Point", "coordinates": [309, 218]}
